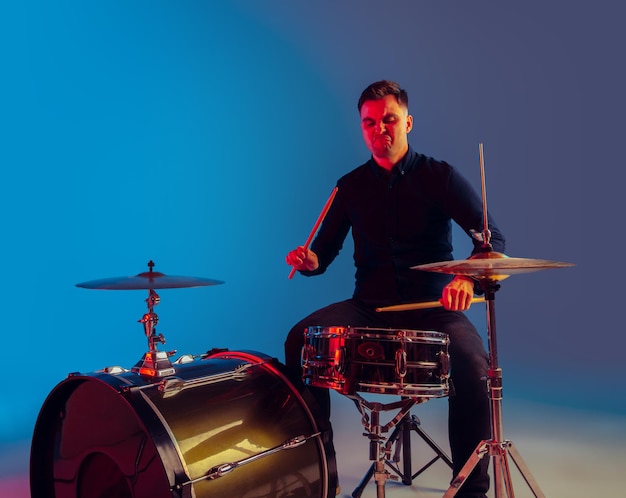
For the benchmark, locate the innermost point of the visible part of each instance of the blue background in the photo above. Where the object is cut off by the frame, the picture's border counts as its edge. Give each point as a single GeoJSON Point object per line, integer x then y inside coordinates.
{"type": "Point", "coordinates": [207, 137]}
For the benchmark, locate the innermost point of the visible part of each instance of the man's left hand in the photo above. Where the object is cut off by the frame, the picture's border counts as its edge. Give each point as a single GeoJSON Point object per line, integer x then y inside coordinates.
{"type": "Point", "coordinates": [458, 294]}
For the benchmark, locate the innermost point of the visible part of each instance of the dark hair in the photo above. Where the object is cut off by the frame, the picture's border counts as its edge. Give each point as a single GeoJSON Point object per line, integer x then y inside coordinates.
{"type": "Point", "coordinates": [380, 89]}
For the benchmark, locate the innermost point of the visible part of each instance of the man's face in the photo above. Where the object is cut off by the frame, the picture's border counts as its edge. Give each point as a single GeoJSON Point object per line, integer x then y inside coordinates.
{"type": "Point", "coordinates": [385, 125]}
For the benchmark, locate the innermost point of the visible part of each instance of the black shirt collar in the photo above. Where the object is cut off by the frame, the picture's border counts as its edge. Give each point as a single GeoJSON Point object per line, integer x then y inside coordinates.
{"type": "Point", "coordinates": [402, 167]}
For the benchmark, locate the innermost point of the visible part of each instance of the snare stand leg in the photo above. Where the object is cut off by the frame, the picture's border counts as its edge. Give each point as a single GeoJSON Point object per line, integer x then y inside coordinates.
{"type": "Point", "coordinates": [358, 491]}
{"type": "Point", "coordinates": [415, 425]}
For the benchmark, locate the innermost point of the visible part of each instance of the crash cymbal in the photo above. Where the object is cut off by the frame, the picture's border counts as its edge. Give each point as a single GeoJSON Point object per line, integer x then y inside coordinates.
{"type": "Point", "coordinates": [491, 265]}
{"type": "Point", "coordinates": [148, 280]}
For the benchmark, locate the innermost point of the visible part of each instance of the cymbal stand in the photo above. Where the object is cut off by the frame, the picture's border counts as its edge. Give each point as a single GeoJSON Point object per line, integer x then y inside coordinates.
{"type": "Point", "coordinates": [497, 447]}
{"type": "Point", "coordinates": [154, 363]}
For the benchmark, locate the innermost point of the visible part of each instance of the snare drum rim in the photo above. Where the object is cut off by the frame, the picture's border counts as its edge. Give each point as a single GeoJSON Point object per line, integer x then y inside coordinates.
{"type": "Point", "coordinates": [427, 336]}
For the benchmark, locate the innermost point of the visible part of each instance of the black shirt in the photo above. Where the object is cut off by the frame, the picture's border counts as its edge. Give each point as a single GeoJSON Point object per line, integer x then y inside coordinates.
{"type": "Point", "coordinates": [399, 219]}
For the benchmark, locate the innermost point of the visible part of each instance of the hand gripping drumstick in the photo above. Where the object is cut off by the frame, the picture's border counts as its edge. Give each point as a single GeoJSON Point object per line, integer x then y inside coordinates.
{"type": "Point", "coordinates": [422, 306]}
{"type": "Point", "coordinates": [317, 224]}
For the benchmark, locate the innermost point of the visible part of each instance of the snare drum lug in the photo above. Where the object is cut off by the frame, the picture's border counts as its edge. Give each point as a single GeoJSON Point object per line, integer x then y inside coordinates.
{"type": "Point", "coordinates": [444, 360]}
{"type": "Point", "coordinates": [340, 360]}
{"type": "Point", "coordinates": [305, 354]}
{"type": "Point", "coordinates": [401, 363]}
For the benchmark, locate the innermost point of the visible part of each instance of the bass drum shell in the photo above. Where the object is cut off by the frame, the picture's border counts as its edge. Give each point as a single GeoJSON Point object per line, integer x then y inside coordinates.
{"type": "Point", "coordinates": [127, 436]}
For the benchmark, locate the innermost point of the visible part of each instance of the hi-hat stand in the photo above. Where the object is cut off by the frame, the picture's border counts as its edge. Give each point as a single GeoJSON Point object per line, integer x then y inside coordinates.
{"type": "Point", "coordinates": [381, 449]}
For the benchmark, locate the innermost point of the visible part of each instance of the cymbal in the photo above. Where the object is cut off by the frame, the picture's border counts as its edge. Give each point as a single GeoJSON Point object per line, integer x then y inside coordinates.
{"type": "Point", "coordinates": [148, 280]}
{"type": "Point", "coordinates": [491, 265]}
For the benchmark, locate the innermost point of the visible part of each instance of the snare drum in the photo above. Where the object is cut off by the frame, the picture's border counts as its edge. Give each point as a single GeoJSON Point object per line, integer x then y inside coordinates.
{"type": "Point", "coordinates": [410, 363]}
{"type": "Point", "coordinates": [230, 416]}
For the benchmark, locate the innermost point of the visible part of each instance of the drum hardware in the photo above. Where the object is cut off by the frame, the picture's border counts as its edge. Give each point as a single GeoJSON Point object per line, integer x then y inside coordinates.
{"type": "Point", "coordinates": [170, 386]}
{"type": "Point", "coordinates": [154, 363]}
{"type": "Point", "coordinates": [381, 448]}
{"type": "Point", "coordinates": [115, 369]}
{"type": "Point", "coordinates": [225, 468]}
{"type": "Point", "coordinates": [488, 268]}
{"type": "Point", "coordinates": [401, 438]}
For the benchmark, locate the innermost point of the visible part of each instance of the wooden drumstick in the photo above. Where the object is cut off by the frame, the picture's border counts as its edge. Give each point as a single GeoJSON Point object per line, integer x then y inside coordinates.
{"type": "Point", "coordinates": [422, 306]}
{"type": "Point", "coordinates": [320, 218]}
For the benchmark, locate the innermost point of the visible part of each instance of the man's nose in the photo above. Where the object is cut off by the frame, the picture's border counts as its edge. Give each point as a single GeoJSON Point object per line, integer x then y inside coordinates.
{"type": "Point", "coordinates": [380, 127]}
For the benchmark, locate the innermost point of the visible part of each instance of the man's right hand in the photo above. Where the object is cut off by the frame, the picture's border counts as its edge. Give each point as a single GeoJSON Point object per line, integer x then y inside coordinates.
{"type": "Point", "coordinates": [302, 259]}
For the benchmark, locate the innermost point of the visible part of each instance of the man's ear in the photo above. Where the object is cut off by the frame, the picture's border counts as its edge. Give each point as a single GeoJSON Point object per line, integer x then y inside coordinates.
{"type": "Point", "coordinates": [409, 123]}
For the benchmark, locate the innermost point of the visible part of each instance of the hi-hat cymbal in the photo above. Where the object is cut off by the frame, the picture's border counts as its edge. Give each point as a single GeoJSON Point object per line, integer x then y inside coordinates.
{"type": "Point", "coordinates": [148, 280]}
{"type": "Point", "coordinates": [491, 265]}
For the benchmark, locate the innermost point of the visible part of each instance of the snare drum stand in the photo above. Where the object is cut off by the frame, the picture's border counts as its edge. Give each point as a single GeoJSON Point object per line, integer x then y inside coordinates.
{"type": "Point", "coordinates": [496, 447]}
{"type": "Point", "coordinates": [380, 449]}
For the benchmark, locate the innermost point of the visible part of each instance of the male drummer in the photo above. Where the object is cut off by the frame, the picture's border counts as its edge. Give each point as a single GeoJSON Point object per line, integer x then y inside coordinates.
{"type": "Point", "coordinates": [400, 205]}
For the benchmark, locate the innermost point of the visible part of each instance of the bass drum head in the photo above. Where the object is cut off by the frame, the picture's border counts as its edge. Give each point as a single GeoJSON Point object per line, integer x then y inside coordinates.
{"type": "Point", "coordinates": [127, 436]}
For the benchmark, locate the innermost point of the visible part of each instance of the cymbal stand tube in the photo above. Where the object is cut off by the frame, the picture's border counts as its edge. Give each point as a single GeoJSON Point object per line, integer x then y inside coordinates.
{"type": "Point", "coordinates": [154, 363]}
{"type": "Point", "coordinates": [486, 232]}
{"type": "Point", "coordinates": [494, 382]}
{"type": "Point", "coordinates": [495, 372]}
{"type": "Point", "coordinates": [497, 447]}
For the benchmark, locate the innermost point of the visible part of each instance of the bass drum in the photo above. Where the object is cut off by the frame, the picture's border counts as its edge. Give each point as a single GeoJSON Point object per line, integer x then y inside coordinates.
{"type": "Point", "coordinates": [226, 424]}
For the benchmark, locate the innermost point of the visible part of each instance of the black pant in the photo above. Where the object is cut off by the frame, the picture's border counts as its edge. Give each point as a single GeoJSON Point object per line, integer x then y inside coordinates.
{"type": "Point", "coordinates": [468, 421]}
